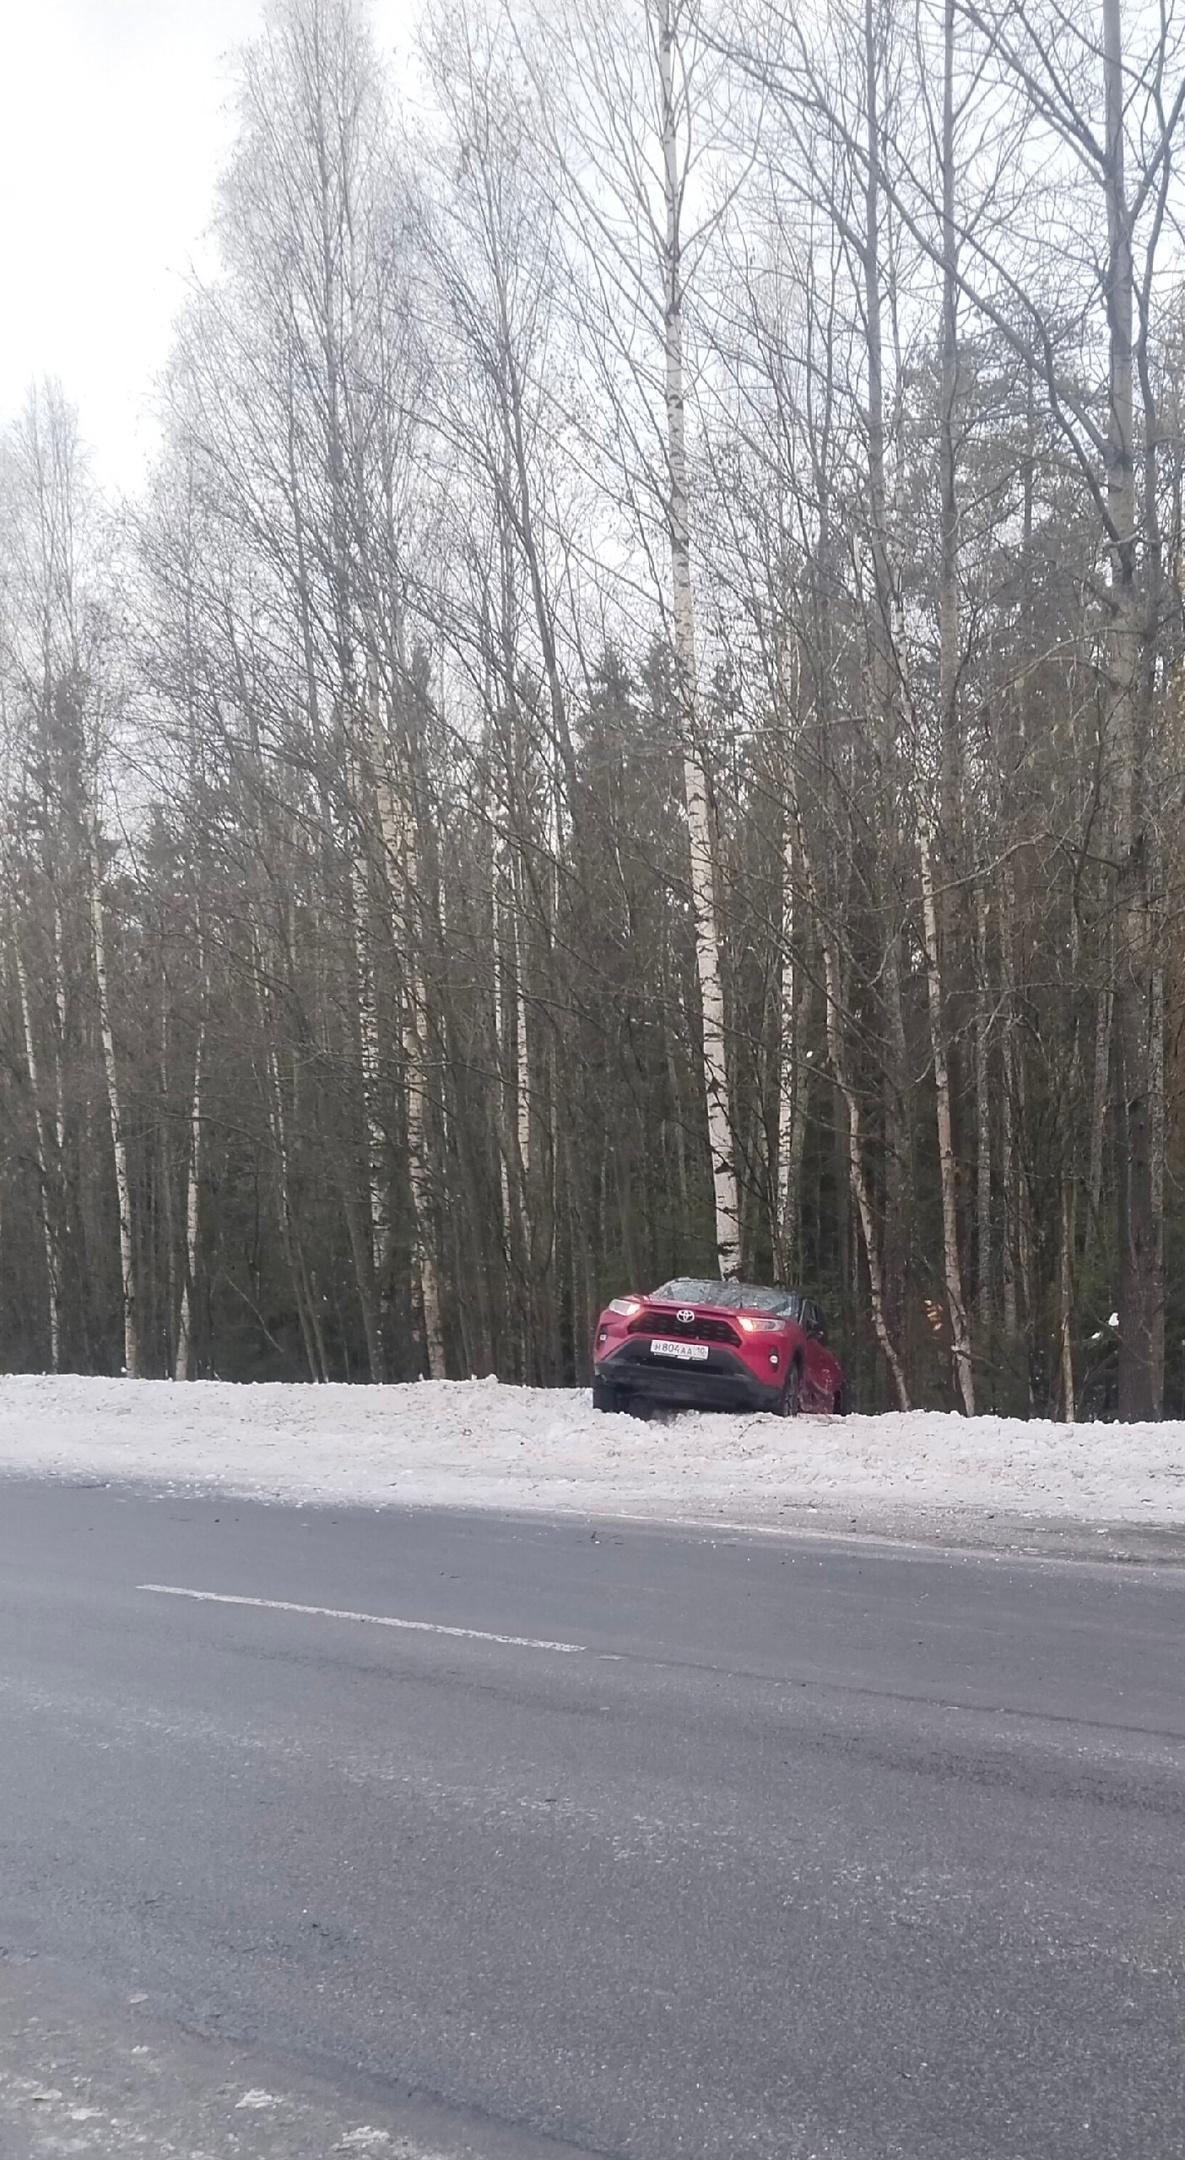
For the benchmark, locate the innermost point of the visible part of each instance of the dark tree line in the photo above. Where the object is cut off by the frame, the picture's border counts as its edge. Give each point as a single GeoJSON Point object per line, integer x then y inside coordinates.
{"type": "Point", "coordinates": [636, 727]}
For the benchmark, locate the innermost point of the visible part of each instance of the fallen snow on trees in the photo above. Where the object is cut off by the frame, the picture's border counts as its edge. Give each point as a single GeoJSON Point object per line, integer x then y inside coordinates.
{"type": "Point", "coordinates": [477, 1443]}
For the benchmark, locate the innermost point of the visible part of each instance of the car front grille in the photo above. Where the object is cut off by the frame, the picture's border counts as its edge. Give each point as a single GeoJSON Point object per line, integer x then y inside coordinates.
{"type": "Point", "coordinates": [676, 1330]}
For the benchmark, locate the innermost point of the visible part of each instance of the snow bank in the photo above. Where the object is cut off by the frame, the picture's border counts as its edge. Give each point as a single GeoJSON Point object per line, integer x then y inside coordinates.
{"type": "Point", "coordinates": [477, 1443]}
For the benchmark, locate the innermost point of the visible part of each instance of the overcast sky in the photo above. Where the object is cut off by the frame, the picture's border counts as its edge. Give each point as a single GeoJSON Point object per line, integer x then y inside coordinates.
{"type": "Point", "coordinates": [113, 123]}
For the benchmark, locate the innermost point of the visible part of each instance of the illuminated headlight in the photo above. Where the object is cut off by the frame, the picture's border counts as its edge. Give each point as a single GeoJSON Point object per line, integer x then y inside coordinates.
{"type": "Point", "coordinates": [759, 1324]}
{"type": "Point", "coordinates": [626, 1306]}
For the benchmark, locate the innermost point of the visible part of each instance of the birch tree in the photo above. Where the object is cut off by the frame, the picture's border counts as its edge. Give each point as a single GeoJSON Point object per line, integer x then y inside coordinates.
{"type": "Point", "coordinates": [634, 144]}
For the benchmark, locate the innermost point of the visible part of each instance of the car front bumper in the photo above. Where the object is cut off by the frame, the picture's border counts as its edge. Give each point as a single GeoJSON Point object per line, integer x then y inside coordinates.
{"type": "Point", "coordinates": [722, 1382]}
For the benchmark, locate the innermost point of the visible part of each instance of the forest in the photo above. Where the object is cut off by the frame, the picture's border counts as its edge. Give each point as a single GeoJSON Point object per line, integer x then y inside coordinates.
{"type": "Point", "coordinates": [635, 727]}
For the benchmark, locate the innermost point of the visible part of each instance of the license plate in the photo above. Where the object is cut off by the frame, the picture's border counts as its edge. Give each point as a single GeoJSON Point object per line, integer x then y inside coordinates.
{"type": "Point", "coordinates": [691, 1353]}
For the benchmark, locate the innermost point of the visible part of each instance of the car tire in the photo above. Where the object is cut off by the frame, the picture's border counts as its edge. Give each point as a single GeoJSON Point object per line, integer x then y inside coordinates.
{"type": "Point", "coordinates": [607, 1396]}
{"type": "Point", "coordinates": [789, 1401]}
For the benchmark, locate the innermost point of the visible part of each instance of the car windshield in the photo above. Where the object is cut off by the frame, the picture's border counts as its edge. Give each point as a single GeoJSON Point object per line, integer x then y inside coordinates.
{"type": "Point", "coordinates": [735, 1296]}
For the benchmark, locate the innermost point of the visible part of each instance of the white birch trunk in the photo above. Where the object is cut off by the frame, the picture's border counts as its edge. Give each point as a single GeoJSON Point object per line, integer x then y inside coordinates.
{"type": "Point", "coordinates": [1010, 1095]}
{"type": "Point", "coordinates": [792, 1113]}
{"type": "Point", "coordinates": [793, 1005]}
{"type": "Point", "coordinates": [415, 1061]}
{"type": "Point", "coordinates": [522, 1090]}
{"type": "Point", "coordinates": [123, 1192]}
{"type": "Point", "coordinates": [948, 611]}
{"type": "Point", "coordinates": [192, 1217]}
{"type": "Point", "coordinates": [1100, 1096]}
{"type": "Point", "coordinates": [368, 1227]}
{"type": "Point", "coordinates": [417, 1142]}
{"type": "Point", "coordinates": [859, 1181]}
{"type": "Point", "coordinates": [983, 1108]}
{"type": "Point", "coordinates": [59, 988]}
{"type": "Point", "coordinates": [377, 1214]}
{"type": "Point", "coordinates": [1158, 1132]}
{"type": "Point", "coordinates": [500, 1048]}
{"type": "Point", "coordinates": [699, 822]}
{"type": "Point", "coordinates": [1066, 1302]}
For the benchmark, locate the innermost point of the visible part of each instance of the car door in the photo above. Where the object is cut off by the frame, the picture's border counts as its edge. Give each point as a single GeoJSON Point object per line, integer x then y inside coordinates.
{"type": "Point", "coordinates": [822, 1379]}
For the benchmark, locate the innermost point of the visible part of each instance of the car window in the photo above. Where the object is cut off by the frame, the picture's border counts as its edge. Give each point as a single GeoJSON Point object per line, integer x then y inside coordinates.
{"type": "Point", "coordinates": [690, 1290]}
{"type": "Point", "coordinates": [734, 1296]}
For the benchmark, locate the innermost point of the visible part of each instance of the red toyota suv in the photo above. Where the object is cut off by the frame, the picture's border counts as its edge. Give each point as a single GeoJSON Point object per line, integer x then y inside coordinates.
{"type": "Point", "coordinates": [715, 1346]}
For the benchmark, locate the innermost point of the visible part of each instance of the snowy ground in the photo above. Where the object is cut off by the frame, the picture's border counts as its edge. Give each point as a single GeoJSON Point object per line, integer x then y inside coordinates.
{"type": "Point", "coordinates": [475, 1443]}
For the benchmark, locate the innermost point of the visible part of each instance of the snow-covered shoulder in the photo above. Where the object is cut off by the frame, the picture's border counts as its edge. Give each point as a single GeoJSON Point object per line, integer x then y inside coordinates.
{"type": "Point", "coordinates": [479, 1443]}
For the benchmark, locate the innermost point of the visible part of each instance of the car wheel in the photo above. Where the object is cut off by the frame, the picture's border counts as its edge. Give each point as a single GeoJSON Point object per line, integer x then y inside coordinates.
{"type": "Point", "coordinates": [790, 1400]}
{"type": "Point", "coordinates": [607, 1396]}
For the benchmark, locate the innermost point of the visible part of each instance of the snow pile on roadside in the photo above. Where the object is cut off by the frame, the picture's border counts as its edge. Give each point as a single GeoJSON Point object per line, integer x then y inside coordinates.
{"type": "Point", "coordinates": [477, 1443]}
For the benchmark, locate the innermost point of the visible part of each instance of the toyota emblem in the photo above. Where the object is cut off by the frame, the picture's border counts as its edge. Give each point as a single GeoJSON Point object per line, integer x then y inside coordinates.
{"type": "Point", "coordinates": [685, 1316]}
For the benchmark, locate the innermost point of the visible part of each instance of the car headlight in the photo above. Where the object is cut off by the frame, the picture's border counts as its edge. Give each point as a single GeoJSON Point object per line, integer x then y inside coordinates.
{"type": "Point", "coordinates": [759, 1324]}
{"type": "Point", "coordinates": [626, 1306]}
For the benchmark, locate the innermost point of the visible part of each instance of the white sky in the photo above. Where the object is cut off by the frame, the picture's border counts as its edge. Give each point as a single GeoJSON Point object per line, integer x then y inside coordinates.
{"type": "Point", "coordinates": [113, 124]}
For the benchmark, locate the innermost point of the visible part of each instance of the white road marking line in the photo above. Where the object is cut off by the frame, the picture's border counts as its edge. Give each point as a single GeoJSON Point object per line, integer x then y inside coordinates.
{"type": "Point", "coordinates": [331, 1612]}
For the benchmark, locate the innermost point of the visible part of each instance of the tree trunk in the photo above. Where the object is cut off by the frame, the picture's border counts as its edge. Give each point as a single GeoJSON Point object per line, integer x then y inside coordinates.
{"type": "Point", "coordinates": [960, 1332]}
{"type": "Point", "coordinates": [123, 1192]}
{"type": "Point", "coordinates": [794, 1002]}
{"type": "Point", "coordinates": [948, 690]}
{"type": "Point", "coordinates": [1066, 1301]}
{"type": "Point", "coordinates": [1141, 1302]}
{"type": "Point", "coordinates": [372, 1250]}
{"type": "Point", "coordinates": [307, 1311]}
{"type": "Point", "coordinates": [1010, 1102]}
{"type": "Point", "coordinates": [983, 1109]}
{"type": "Point", "coordinates": [793, 1106]}
{"type": "Point", "coordinates": [193, 1172]}
{"type": "Point", "coordinates": [1099, 1100]}
{"type": "Point", "coordinates": [886, 658]}
{"type": "Point", "coordinates": [699, 816]}
{"type": "Point", "coordinates": [859, 1181]}
{"type": "Point", "coordinates": [419, 1162]}
{"type": "Point", "coordinates": [401, 859]}
{"type": "Point", "coordinates": [48, 1161]}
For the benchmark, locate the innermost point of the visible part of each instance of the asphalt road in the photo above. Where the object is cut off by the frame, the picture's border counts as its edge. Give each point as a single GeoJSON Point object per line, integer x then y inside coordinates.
{"type": "Point", "coordinates": [798, 1848]}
